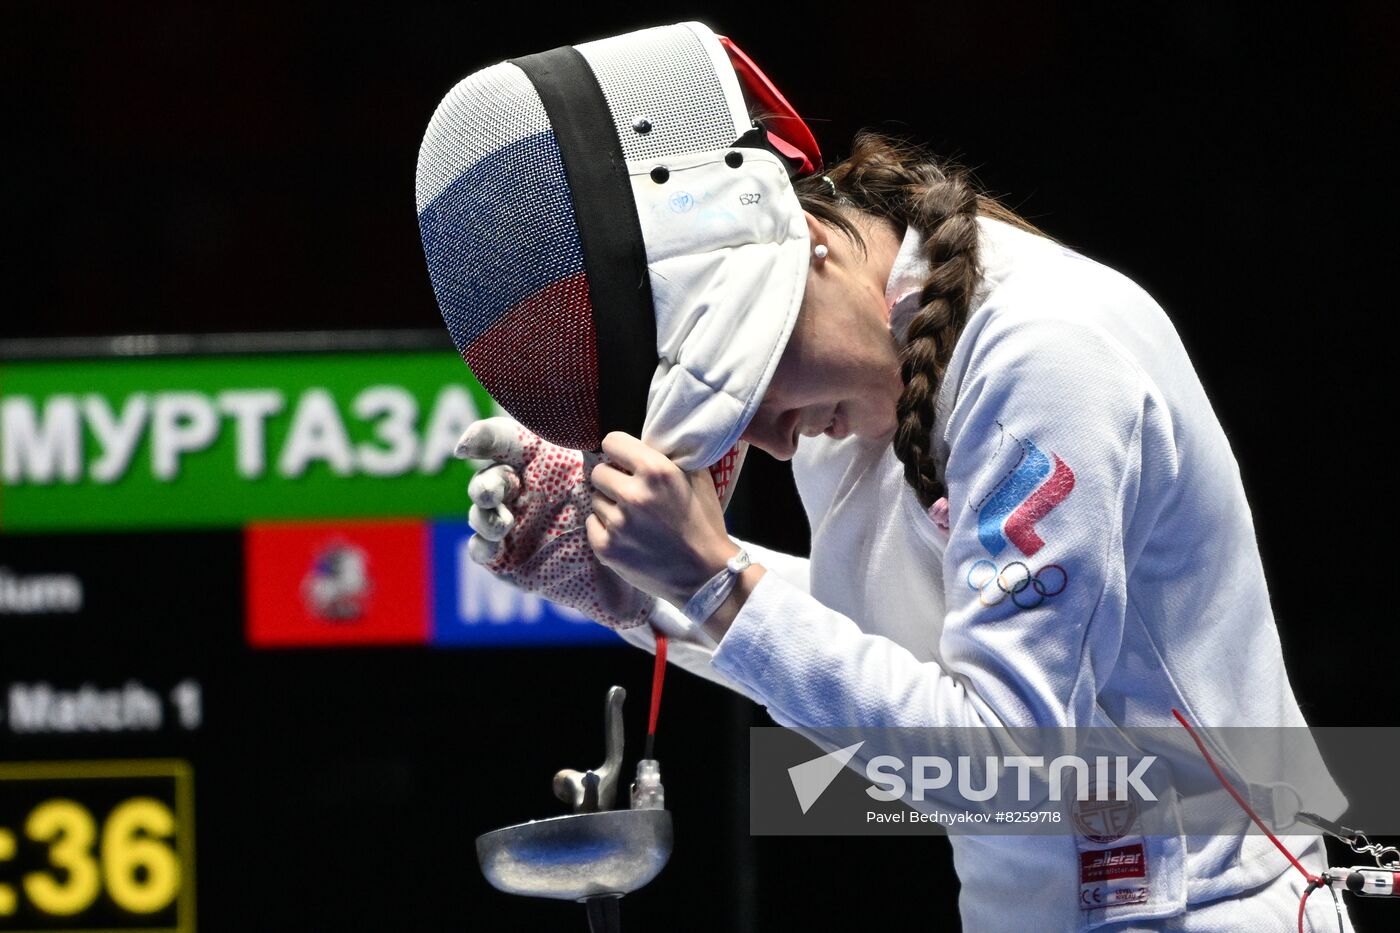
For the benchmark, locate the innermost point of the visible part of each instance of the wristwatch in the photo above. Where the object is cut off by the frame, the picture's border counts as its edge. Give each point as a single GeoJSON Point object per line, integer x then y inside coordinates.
{"type": "Point", "coordinates": [717, 589]}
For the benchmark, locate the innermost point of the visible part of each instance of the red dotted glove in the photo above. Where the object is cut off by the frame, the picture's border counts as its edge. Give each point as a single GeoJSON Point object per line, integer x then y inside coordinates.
{"type": "Point", "coordinates": [529, 509]}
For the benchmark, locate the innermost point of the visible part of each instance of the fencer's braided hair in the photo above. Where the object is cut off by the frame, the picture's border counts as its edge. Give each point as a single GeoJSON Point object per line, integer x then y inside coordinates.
{"type": "Point", "coordinates": [907, 186]}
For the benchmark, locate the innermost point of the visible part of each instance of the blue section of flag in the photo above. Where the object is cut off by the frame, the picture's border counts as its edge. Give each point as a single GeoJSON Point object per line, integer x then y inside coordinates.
{"type": "Point", "coordinates": [1014, 490]}
{"type": "Point", "coordinates": [501, 232]}
{"type": "Point", "coordinates": [473, 608]}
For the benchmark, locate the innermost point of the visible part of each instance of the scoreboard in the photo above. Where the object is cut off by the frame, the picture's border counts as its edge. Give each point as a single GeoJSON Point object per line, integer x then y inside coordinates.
{"type": "Point", "coordinates": [245, 654]}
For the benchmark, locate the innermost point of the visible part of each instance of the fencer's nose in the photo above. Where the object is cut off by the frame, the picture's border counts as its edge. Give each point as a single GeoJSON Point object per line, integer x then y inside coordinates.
{"type": "Point", "coordinates": [776, 435]}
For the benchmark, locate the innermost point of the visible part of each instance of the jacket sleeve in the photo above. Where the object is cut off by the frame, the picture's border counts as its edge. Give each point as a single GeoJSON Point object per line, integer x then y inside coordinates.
{"type": "Point", "coordinates": [688, 647]}
{"type": "Point", "coordinates": [1046, 450]}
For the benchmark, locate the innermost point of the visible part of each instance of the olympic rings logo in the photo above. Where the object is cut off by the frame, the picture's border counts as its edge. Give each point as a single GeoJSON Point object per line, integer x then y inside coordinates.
{"type": "Point", "coordinates": [1026, 590]}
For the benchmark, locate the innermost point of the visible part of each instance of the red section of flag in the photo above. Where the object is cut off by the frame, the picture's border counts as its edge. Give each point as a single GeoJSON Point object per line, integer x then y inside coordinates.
{"type": "Point", "coordinates": [540, 361]}
{"type": "Point", "coordinates": [1020, 527]}
{"type": "Point", "coordinates": [347, 583]}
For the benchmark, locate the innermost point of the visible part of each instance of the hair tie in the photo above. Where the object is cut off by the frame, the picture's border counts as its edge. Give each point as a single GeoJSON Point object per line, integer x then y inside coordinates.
{"type": "Point", "coordinates": [831, 184]}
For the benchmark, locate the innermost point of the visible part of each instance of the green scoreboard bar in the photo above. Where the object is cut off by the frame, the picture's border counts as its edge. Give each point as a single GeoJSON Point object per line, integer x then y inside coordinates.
{"type": "Point", "coordinates": [189, 441]}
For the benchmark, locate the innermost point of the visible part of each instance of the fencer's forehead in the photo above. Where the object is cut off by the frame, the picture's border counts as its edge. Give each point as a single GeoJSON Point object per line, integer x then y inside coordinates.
{"type": "Point", "coordinates": [529, 182]}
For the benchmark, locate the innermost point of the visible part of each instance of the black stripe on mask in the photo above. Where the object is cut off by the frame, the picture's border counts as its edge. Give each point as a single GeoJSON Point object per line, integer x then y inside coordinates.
{"type": "Point", "coordinates": [614, 254]}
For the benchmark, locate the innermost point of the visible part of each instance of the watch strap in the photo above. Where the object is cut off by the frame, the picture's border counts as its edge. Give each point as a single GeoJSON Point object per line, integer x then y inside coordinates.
{"type": "Point", "coordinates": [717, 589]}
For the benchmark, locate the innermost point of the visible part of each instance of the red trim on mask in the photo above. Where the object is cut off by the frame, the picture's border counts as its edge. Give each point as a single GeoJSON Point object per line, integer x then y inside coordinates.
{"type": "Point", "coordinates": [790, 134]}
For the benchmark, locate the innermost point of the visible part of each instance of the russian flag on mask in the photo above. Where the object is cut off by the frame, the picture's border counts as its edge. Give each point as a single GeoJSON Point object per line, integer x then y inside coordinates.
{"type": "Point", "coordinates": [503, 252]}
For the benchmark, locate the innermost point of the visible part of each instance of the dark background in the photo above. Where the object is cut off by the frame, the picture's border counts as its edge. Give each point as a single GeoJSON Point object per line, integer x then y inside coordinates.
{"type": "Point", "coordinates": [213, 167]}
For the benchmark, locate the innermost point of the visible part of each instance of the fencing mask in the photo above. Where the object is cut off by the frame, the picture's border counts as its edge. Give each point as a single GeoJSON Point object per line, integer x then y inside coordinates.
{"type": "Point", "coordinates": [615, 244]}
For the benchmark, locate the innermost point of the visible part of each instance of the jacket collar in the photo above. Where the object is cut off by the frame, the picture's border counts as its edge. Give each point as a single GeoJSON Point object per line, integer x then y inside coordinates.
{"type": "Point", "coordinates": [998, 244]}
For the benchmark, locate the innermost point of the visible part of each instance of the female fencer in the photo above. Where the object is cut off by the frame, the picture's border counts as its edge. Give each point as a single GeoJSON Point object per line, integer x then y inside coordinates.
{"type": "Point", "coordinates": [1023, 510]}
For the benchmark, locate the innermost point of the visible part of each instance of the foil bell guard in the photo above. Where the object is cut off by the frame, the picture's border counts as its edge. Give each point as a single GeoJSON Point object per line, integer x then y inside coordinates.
{"type": "Point", "coordinates": [596, 854]}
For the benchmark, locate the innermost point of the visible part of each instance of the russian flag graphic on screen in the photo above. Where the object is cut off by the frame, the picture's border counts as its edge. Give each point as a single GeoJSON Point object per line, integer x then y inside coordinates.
{"type": "Point", "coordinates": [350, 583]}
{"type": "Point", "coordinates": [1034, 486]}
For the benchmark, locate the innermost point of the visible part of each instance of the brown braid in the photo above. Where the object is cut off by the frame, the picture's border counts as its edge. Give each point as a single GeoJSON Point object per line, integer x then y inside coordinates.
{"type": "Point", "coordinates": [906, 186]}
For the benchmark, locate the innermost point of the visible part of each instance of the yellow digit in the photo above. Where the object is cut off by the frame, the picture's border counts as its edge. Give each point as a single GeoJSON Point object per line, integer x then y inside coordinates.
{"type": "Point", "coordinates": [7, 893]}
{"type": "Point", "coordinates": [141, 871]}
{"type": "Point", "coordinates": [69, 829]}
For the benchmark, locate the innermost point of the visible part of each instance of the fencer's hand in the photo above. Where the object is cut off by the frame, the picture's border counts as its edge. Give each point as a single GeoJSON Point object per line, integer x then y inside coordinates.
{"type": "Point", "coordinates": [529, 507]}
{"type": "Point", "coordinates": [660, 528]}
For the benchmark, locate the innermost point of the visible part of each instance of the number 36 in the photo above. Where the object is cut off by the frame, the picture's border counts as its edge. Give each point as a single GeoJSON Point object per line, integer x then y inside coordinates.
{"type": "Point", "coordinates": [138, 868]}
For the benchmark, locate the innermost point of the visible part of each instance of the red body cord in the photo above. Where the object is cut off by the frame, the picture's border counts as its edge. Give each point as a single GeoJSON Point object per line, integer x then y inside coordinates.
{"type": "Point", "coordinates": [1241, 801]}
{"type": "Point", "coordinates": [658, 677]}
{"type": "Point", "coordinates": [1313, 880]}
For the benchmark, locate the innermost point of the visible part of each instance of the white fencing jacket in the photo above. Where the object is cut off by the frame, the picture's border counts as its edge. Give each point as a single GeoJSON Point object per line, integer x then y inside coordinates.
{"type": "Point", "coordinates": [1081, 451]}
